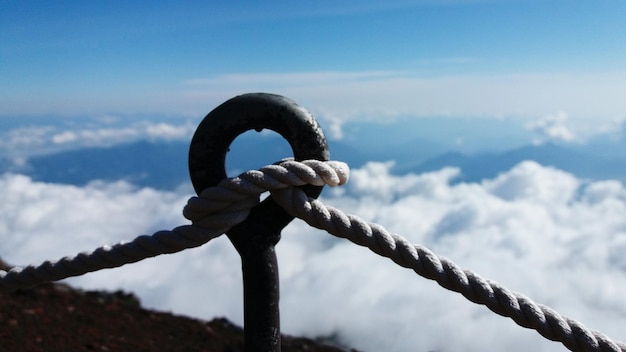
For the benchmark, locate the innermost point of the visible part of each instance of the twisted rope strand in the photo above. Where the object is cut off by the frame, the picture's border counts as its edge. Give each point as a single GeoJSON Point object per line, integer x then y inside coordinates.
{"type": "Point", "coordinates": [214, 212]}
{"type": "Point", "coordinates": [447, 274]}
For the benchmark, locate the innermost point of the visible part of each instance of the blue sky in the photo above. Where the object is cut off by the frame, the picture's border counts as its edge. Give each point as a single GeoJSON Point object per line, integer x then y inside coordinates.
{"type": "Point", "coordinates": [422, 58]}
{"type": "Point", "coordinates": [76, 74]}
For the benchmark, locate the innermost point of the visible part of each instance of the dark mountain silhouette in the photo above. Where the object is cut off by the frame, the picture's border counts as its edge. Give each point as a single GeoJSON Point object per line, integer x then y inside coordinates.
{"type": "Point", "coordinates": [488, 165]}
{"type": "Point", "coordinates": [160, 165]}
{"type": "Point", "coordinates": [163, 165]}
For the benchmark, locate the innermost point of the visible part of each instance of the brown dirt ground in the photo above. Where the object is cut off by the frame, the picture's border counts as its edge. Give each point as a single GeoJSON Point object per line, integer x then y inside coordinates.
{"type": "Point", "coordinates": [57, 317]}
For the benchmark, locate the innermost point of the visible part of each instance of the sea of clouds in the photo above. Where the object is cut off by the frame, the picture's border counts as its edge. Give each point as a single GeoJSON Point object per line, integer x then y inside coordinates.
{"type": "Point", "coordinates": [18, 143]}
{"type": "Point", "coordinates": [537, 230]}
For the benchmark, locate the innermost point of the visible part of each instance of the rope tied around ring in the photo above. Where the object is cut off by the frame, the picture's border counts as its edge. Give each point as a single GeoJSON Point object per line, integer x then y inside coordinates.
{"type": "Point", "coordinates": [217, 209]}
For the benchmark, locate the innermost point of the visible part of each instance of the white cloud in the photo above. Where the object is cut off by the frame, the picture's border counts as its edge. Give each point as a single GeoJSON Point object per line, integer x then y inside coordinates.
{"type": "Point", "coordinates": [593, 100]}
{"type": "Point", "coordinates": [21, 142]}
{"type": "Point", "coordinates": [25, 137]}
{"type": "Point", "coordinates": [337, 97]}
{"type": "Point", "coordinates": [531, 181]}
{"type": "Point", "coordinates": [64, 137]}
{"type": "Point", "coordinates": [302, 79]}
{"type": "Point", "coordinates": [168, 131]}
{"type": "Point", "coordinates": [537, 230]}
{"type": "Point", "coordinates": [134, 131]}
{"type": "Point", "coordinates": [383, 93]}
{"type": "Point", "coordinates": [552, 127]}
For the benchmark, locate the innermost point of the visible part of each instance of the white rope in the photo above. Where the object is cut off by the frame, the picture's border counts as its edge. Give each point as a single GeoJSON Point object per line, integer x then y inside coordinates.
{"type": "Point", "coordinates": [447, 274]}
{"type": "Point", "coordinates": [219, 208]}
{"type": "Point", "coordinates": [213, 212]}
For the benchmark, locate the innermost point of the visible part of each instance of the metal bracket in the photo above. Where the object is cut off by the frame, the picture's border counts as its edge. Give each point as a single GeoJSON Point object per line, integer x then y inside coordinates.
{"type": "Point", "coordinates": [256, 237]}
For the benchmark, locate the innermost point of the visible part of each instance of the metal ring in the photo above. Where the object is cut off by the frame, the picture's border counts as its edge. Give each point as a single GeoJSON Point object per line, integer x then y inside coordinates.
{"type": "Point", "coordinates": [210, 143]}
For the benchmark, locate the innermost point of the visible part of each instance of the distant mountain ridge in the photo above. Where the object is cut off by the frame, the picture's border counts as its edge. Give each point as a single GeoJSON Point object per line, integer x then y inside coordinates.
{"type": "Point", "coordinates": [163, 164]}
{"type": "Point", "coordinates": [160, 165]}
{"type": "Point", "coordinates": [481, 166]}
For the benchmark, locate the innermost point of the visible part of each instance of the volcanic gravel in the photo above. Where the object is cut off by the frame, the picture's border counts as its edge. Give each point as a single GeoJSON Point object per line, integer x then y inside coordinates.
{"type": "Point", "coordinates": [57, 317]}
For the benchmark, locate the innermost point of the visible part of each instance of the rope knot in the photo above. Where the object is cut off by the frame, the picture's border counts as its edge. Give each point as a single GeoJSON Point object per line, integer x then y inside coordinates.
{"type": "Point", "coordinates": [231, 200]}
{"type": "Point", "coordinates": [215, 211]}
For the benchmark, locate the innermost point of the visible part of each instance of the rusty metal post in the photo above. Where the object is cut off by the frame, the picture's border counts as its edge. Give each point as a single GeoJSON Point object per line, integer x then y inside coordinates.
{"type": "Point", "coordinates": [256, 237]}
